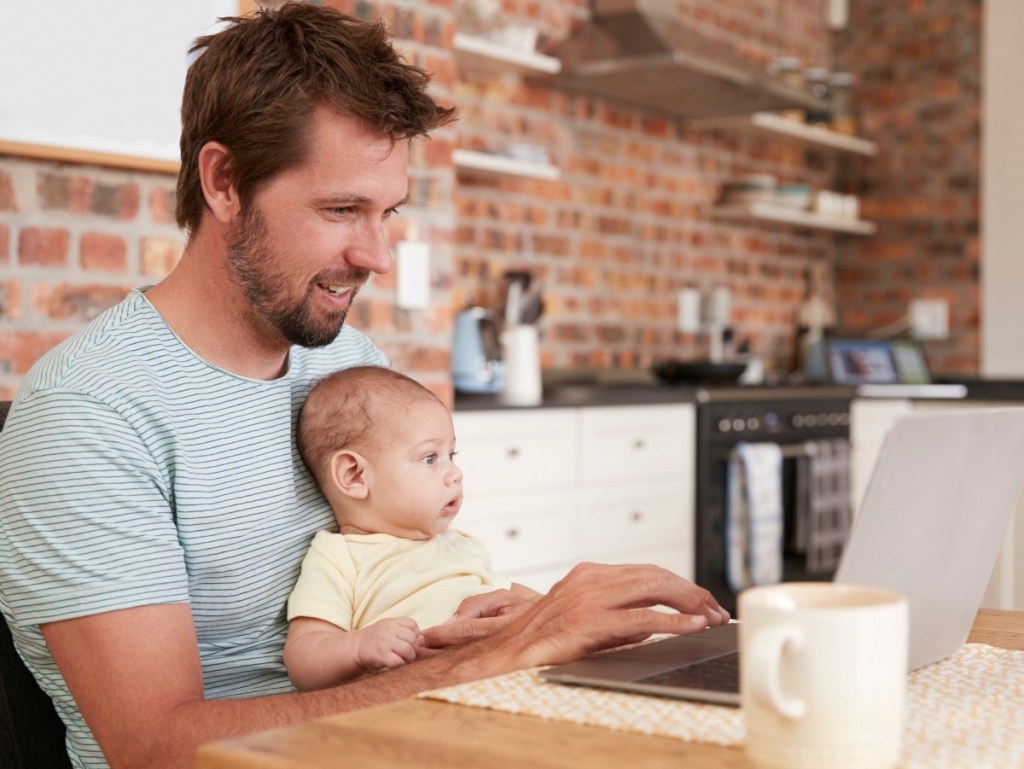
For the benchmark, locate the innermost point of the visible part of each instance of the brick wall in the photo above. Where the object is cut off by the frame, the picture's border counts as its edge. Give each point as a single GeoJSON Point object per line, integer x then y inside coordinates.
{"type": "Point", "coordinates": [919, 66]}
{"type": "Point", "coordinates": [73, 240]}
{"type": "Point", "coordinates": [627, 225]}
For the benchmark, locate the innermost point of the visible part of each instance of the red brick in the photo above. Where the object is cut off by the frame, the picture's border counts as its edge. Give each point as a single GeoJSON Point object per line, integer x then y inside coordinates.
{"type": "Point", "coordinates": [20, 349]}
{"type": "Point", "coordinates": [162, 203]}
{"type": "Point", "coordinates": [5, 244]}
{"type": "Point", "coordinates": [7, 198]}
{"type": "Point", "coordinates": [120, 201]}
{"type": "Point", "coordinates": [81, 302]}
{"type": "Point", "coordinates": [101, 251]}
{"type": "Point", "coordinates": [46, 247]}
{"type": "Point", "coordinates": [65, 193]}
{"type": "Point", "coordinates": [437, 152]}
{"type": "Point", "coordinates": [159, 256]}
{"type": "Point", "coordinates": [10, 300]}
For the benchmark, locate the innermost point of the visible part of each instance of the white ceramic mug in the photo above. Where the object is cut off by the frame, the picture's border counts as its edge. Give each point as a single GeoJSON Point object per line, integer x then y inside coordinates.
{"type": "Point", "coordinates": [823, 672]}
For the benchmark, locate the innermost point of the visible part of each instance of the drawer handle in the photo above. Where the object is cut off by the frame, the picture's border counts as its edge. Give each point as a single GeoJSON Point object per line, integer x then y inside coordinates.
{"type": "Point", "coordinates": [639, 444]}
{"type": "Point", "coordinates": [512, 533]}
{"type": "Point", "coordinates": [636, 516]}
{"type": "Point", "coordinates": [512, 452]}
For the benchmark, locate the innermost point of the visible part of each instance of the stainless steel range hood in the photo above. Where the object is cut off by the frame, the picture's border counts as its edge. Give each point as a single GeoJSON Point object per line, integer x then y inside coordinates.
{"type": "Point", "coordinates": [639, 52]}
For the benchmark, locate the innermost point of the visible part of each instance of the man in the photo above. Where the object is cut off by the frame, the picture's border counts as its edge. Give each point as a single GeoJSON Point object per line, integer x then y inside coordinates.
{"type": "Point", "coordinates": [153, 509]}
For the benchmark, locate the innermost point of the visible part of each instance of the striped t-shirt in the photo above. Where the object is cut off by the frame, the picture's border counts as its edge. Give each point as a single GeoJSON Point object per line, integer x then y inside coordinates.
{"type": "Point", "coordinates": [132, 472]}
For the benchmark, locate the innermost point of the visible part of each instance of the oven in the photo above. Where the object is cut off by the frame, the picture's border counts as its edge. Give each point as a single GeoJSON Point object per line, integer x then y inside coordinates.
{"type": "Point", "coordinates": [801, 421]}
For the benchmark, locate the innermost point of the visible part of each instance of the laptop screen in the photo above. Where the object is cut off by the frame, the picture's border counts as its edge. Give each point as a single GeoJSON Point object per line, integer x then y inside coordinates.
{"type": "Point", "coordinates": [877, 361]}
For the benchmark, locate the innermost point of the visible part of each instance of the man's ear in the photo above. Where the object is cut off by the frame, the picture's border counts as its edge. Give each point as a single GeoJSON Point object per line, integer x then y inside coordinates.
{"type": "Point", "coordinates": [348, 474]}
{"type": "Point", "coordinates": [218, 185]}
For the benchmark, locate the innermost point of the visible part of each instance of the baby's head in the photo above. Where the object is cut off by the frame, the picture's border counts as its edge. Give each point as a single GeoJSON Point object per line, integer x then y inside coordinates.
{"type": "Point", "coordinates": [381, 446]}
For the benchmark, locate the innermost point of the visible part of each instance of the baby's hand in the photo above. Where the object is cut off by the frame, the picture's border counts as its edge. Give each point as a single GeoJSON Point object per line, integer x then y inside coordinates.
{"type": "Point", "coordinates": [388, 643]}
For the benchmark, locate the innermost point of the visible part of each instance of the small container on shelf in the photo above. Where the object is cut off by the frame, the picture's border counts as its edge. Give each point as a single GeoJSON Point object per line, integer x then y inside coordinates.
{"type": "Point", "coordinates": [840, 90]}
{"type": "Point", "coordinates": [788, 71]}
{"type": "Point", "coordinates": [797, 196]}
{"type": "Point", "coordinates": [816, 80]}
{"type": "Point", "coordinates": [752, 188]}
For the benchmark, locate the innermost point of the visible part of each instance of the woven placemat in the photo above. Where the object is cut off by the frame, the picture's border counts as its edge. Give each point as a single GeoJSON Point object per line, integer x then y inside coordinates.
{"type": "Point", "coordinates": [966, 712]}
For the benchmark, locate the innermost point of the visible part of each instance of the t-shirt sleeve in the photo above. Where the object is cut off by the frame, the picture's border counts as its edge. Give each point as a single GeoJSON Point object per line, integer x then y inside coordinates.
{"type": "Point", "coordinates": [86, 514]}
{"type": "Point", "coordinates": [324, 588]}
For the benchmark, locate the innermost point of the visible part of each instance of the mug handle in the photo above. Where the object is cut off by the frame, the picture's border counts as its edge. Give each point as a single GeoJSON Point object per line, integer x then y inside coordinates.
{"type": "Point", "coordinates": [764, 658]}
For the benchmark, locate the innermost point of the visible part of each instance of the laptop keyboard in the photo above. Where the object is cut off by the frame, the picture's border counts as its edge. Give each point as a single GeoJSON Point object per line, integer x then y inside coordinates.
{"type": "Point", "coordinates": [719, 674]}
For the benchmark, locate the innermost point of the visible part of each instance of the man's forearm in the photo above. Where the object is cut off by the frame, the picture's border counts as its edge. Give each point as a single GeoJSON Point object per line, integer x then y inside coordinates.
{"type": "Point", "coordinates": [195, 723]}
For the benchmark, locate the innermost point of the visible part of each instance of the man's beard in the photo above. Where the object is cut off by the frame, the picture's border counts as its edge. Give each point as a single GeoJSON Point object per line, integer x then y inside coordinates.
{"type": "Point", "coordinates": [261, 273]}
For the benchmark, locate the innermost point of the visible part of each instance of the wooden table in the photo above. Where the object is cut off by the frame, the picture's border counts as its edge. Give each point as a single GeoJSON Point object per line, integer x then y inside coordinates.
{"type": "Point", "coordinates": [424, 734]}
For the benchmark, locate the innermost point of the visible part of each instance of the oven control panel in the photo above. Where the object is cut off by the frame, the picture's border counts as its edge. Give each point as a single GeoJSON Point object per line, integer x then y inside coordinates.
{"type": "Point", "coordinates": [776, 421]}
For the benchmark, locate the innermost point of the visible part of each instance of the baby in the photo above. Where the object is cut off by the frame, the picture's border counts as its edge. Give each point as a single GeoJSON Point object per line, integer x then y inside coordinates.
{"type": "Point", "coordinates": [381, 446]}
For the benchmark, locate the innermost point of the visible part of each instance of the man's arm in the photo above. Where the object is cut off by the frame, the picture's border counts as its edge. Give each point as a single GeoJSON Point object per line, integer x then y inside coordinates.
{"type": "Point", "coordinates": [136, 676]}
{"type": "Point", "coordinates": [319, 654]}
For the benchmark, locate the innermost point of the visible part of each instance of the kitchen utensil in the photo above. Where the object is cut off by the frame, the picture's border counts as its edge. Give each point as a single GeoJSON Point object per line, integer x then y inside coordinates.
{"type": "Point", "coordinates": [704, 372]}
{"type": "Point", "coordinates": [531, 306]}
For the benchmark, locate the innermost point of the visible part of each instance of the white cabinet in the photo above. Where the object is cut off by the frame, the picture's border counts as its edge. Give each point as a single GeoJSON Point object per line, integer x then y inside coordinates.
{"type": "Point", "coordinates": [548, 488]}
{"type": "Point", "coordinates": [870, 420]}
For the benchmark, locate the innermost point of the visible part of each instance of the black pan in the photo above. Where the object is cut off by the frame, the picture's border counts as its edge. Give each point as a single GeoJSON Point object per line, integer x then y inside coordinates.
{"type": "Point", "coordinates": [704, 372]}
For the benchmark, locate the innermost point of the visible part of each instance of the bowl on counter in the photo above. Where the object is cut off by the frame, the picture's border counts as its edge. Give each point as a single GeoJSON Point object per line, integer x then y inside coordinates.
{"type": "Point", "coordinates": [698, 372]}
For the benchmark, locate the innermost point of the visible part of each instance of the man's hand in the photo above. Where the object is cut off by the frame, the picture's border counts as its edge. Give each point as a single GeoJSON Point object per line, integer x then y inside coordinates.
{"type": "Point", "coordinates": [599, 606]}
{"type": "Point", "coordinates": [480, 616]}
{"type": "Point", "coordinates": [386, 643]}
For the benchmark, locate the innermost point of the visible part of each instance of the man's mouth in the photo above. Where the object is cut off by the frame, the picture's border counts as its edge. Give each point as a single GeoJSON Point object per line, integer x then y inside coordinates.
{"type": "Point", "coordinates": [335, 290]}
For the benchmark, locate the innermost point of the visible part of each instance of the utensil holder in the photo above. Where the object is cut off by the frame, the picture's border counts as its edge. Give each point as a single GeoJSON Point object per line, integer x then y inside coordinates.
{"type": "Point", "coordinates": [521, 353]}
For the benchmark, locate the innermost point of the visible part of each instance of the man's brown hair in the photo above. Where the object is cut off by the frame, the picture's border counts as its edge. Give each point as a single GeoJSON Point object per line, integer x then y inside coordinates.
{"type": "Point", "coordinates": [255, 85]}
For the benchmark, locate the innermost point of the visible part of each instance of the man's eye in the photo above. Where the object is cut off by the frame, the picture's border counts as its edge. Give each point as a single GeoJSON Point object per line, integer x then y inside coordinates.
{"type": "Point", "coordinates": [341, 211]}
{"type": "Point", "coordinates": [391, 212]}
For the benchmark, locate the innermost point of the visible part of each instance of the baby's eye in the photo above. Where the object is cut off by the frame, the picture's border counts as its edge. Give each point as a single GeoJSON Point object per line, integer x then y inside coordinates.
{"type": "Point", "coordinates": [429, 459]}
{"type": "Point", "coordinates": [451, 457]}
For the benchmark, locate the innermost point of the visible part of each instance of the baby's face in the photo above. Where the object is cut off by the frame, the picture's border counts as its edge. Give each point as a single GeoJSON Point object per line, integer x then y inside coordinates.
{"type": "Point", "coordinates": [415, 487]}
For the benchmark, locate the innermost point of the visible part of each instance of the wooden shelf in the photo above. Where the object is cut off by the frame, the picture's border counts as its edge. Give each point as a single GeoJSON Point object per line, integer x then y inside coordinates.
{"type": "Point", "coordinates": [485, 163]}
{"type": "Point", "coordinates": [792, 131]}
{"type": "Point", "coordinates": [766, 212]}
{"type": "Point", "coordinates": [480, 53]}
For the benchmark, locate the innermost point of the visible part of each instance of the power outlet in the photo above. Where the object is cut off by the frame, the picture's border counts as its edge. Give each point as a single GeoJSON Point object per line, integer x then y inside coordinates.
{"type": "Point", "coordinates": [929, 318]}
{"type": "Point", "coordinates": [688, 310]}
{"type": "Point", "coordinates": [412, 281]}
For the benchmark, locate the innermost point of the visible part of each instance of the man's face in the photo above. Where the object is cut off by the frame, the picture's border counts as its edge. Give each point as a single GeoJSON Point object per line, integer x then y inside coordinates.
{"type": "Point", "coordinates": [313, 235]}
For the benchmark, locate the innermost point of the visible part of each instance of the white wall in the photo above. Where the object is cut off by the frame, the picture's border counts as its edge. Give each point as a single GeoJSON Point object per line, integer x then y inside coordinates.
{"type": "Point", "coordinates": [1002, 189]}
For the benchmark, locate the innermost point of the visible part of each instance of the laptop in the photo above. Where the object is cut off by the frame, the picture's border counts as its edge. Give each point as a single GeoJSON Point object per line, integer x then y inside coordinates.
{"type": "Point", "coordinates": [930, 527]}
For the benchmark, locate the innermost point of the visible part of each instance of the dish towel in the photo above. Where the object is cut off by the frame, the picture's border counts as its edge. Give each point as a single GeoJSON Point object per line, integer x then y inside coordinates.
{"type": "Point", "coordinates": [823, 510]}
{"type": "Point", "coordinates": [754, 515]}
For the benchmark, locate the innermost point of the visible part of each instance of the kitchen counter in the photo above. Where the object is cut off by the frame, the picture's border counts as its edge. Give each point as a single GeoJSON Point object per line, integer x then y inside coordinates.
{"type": "Point", "coordinates": [575, 395]}
{"type": "Point", "coordinates": [638, 390]}
{"type": "Point", "coordinates": [989, 389]}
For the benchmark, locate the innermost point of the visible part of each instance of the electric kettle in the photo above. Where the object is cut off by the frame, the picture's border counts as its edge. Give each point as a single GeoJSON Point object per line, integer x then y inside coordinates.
{"type": "Point", "coordinates": [476, 364]}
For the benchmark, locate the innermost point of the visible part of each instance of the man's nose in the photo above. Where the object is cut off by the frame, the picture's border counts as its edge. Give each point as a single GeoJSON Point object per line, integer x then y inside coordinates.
{"type": "Point", "coordinates": [372, 251]}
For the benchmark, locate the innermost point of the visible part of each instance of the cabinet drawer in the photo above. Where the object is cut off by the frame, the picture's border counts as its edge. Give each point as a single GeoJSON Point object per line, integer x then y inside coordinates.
{"type": "Point", "coordinates": [516, 451]}
{"type": "Point", "coordinates": [521, 530]}
{"type": "Point", "coordinates": [636, 442]}
{"type": "Point", "coordinates": [613, 520]}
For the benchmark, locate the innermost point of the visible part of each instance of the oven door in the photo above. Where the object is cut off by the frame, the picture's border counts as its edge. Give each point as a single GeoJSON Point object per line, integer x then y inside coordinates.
{"type": "Point", "coordinates": [815, 486]}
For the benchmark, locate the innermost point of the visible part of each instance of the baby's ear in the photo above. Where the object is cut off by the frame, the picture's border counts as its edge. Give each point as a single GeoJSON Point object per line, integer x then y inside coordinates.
{"type": "Point", "coordinates": [348, 473]}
